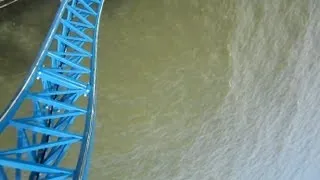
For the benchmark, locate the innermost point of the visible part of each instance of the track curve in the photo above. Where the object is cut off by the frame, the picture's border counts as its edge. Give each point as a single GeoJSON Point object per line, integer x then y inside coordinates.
{"type": "Point", "coordinates": [59, 90]}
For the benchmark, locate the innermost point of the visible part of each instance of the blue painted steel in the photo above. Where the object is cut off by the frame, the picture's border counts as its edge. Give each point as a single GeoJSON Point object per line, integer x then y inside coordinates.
{"type": "Point", "coordinates": [68, 53]}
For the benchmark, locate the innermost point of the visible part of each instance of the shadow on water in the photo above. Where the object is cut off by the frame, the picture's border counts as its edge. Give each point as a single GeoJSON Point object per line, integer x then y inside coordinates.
{"type": "Point", "coordinates": [23, 26]}
{"type": "Point", "coordinates": [19, 8]}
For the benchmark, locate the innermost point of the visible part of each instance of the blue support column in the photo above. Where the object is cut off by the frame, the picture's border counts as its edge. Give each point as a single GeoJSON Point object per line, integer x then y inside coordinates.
{"type": "Point", "coordinates": [68, 53]}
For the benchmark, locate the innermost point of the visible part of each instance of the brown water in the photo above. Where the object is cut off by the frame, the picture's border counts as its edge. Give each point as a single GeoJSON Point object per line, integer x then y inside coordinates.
{"type": "Point", "coordinates": [192, 89]}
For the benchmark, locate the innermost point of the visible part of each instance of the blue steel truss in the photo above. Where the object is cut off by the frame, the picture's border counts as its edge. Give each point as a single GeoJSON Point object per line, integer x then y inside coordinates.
{"type": "Point", "coordinates": [60, 90]}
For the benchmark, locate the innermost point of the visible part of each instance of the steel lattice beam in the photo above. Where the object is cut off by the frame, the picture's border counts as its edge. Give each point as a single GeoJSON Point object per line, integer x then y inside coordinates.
{"type": "Point", "coordinates": [65, 68]}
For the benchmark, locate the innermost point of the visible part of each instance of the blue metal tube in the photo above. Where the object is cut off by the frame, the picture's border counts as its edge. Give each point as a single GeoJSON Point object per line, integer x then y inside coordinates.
{"type": "Point", "coordinates": [87, 145]}
{"type": "Point", "coordinates": [31, 166]}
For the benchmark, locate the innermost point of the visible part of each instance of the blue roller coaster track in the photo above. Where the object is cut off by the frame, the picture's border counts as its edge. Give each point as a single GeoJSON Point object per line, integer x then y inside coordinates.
{"type": "Point", "coordinates": [60, 92]}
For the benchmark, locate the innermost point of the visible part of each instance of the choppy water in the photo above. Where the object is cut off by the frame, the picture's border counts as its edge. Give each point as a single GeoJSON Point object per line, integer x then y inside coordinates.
{"type": "Point", "coordinates": [199, 89]}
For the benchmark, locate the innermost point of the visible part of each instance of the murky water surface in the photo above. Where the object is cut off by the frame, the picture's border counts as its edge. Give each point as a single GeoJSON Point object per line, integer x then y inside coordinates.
{"type": "Point", "coordinates": [193, 89]}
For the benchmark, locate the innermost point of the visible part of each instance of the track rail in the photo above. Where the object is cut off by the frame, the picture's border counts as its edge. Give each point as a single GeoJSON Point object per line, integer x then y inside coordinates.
{"type": "Point", "coordinates": [5, 3]}
{"type": "Point", "coordinates": [59, 93]}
